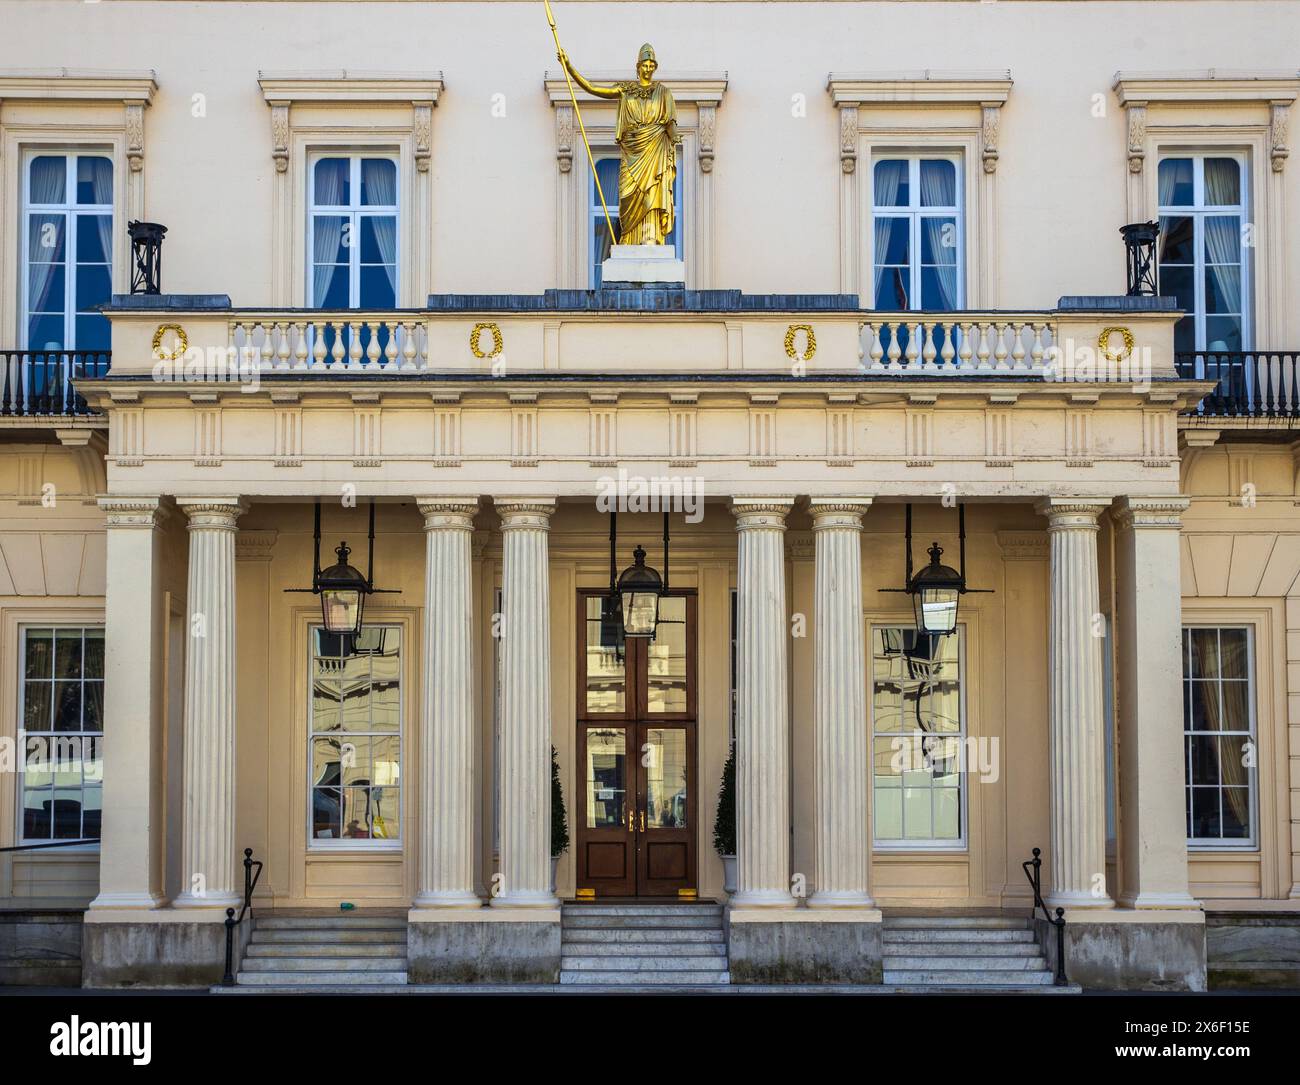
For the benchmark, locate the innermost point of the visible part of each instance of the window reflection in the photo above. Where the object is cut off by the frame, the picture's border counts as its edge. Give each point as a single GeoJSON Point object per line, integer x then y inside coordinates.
{"type": "Point", "coordinates": [606, 778]}
{"type": "Point", "coordinates": [664, 755]}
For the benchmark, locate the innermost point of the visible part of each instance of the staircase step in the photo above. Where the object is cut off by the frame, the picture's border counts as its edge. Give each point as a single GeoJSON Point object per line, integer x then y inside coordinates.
{"type": "Point", "coordinates": [1026, 948]}
{"type": "Point", "coordinates": [328, 936]}
{"type": "Point", "coordinates": [968, 977]}
{"type": "Point", "coordinates": [949, 922]}
{"type": "Point", "coordinates": [684, 978]}
{"type": "Point", "coordinates": [644, 963]}
{"type": "Point", "coordinates": [624, 935]}
{"type": "Point", "coordinates": [329, 922]}
{"type": "Point", "coordinates": [676, 921]}
{"type": "Point", "coordinates": [643, 909]}
{"type": "Point", "coordinates": [945, 934]}
{"type": "Point", "coordinates": [965, 964]}
{"type": "Point", "coordinates": [323, 964]}
{"type": "Point", "coordinates": [643, 949]}
{"type": "Point", "coordinates": [280, 950]}
{"type": "Point", "coordinates": [314, 979]}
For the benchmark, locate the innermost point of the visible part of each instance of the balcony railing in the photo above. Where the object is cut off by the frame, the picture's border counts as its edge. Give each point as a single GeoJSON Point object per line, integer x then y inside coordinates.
{"type": "Point", "coordinates": [366, 341]}
{"type": "Point", "coordinates": [38, 383]}
{"type": "Point", "coordinates": [960, 343]}
{"type": "Point", "coordinates": [1251, 383]}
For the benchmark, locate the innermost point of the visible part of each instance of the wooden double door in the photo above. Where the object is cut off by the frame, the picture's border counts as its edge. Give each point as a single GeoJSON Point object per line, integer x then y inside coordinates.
{"type": "Point", "coordinates": [636, 819]}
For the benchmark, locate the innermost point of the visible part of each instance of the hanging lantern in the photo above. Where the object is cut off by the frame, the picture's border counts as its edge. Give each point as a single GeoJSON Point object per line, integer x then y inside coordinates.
{"type": "Point", "coordinates": [343, 592]}
{"type": "Point", "coordinates": [935, 591]}
{"type": "Point", "coordinates": [639, 589]}
{"type": "Point", "coordinates": [1140, 250]}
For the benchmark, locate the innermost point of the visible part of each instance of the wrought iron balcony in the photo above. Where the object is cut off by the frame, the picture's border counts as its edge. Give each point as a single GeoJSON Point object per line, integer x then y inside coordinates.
{"type": "Point", "coordinates": [1251, 383]}
{"type": "Point", "coordinates": [38, 383]}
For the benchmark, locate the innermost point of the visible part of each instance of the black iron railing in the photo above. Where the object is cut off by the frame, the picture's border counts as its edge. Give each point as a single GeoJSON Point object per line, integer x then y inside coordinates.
{"type": "Point", "coordinates": [38, 383]}
{"type": "Point", "coordinates": [1033, 871]}
{"type": "Point", "coordinates": [233, 922]}
{"type": "Point", "coordinates": [1249, 383]}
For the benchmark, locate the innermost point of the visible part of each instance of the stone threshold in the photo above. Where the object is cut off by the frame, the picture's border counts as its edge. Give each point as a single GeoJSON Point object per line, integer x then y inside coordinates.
{"type": "Point", "coordinates": [602, 990]}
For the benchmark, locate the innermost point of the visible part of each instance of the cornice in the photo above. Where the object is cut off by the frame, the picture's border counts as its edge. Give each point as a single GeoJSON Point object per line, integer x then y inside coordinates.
{"type": "Point", "coordinates": [342, 85]}
{"type": "Point", "coordinates": [1207, 85]}
{"type": "Point", "coordinates": [920, 87]}
{"type": "Point", "coordinates": [79, 84]}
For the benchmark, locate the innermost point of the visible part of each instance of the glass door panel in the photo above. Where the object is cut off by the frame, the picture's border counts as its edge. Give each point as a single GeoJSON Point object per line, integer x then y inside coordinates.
{"type": "Point", "coordinates": [605, 673]}
{"type": "Point", "coordinates": [606, 777]}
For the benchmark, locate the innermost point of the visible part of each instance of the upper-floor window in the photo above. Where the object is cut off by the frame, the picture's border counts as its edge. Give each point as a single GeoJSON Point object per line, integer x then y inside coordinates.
{"type": "Point", "coordinates": [352, 226]}
{"type": "Point", "coordinates": [67, 251]}
{"type": "Point", "coordinates": [917, 236]}
{"type": "Point", "coordinates": [607, 168]}
{"type": "Point", "coordinates": [1219, 735]}
{"type": "Point", "coordinates": [1202, 260]}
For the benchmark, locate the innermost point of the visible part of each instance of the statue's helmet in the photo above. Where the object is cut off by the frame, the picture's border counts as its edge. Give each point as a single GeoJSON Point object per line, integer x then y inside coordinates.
{"type": "Point", "coordinates": [647, 53]}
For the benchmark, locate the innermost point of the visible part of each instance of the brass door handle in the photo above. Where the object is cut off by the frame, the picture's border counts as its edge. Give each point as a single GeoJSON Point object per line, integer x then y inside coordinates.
{"type": "Point", "coordinates": [643, 821]}
{"type": "Point", "coordinates": [631, 823]}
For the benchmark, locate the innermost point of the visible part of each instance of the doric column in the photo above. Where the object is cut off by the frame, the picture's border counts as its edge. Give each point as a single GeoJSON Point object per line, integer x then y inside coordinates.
{"type": "Point", "coordinates": [1075, 711]}
{"type": "Point", "coordinates": [130, 867]}
{"type": "Point", "coordinates": [525, 751]}
{"type": "Point", "coordinates": [446, 858]}
{"type": "Point", "coordinates": [762, 706]}
{"type": "Point", "coordinates": [1149, 677]}
{"type": "Point", "coordinates": [208, 836]}
{"type": "Point", "coordinates": [839, 709]}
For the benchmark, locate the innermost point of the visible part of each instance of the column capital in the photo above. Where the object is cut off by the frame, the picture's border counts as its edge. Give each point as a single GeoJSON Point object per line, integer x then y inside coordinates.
{"type": "Point", "coordinates": [523, 513]}
{"type": "Point", "coordinates": [133, 511]}
{"type": "Point", "coordinates": [1151, 512]}
{"type": "Point", "coordinates": [212, 513]}
{"type": "Point", "coordinates": [761, 512]}
{"type": "Point", "coordinates": [838, 512]}
{"type": "Point", "coordinates": [447, 513]}
{"type": "Point", "coordinates": [1079, 513]}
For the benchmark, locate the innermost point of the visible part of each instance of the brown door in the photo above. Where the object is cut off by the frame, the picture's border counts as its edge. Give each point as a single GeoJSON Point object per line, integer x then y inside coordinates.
{"type": "Point", "coordinates": [635, 815]}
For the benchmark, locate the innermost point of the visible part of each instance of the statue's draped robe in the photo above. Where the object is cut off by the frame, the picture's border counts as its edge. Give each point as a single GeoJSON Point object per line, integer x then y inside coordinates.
{"type": "Point", "coordinates": [645, 180]}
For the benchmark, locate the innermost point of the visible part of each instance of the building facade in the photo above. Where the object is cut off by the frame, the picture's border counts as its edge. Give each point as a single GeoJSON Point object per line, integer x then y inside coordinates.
{"type": "Point", "coordinates": [904, 307]}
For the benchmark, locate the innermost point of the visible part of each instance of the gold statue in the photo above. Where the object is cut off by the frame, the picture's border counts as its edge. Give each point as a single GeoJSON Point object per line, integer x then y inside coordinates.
{"type": "Point", "coordinates": [646, 131]}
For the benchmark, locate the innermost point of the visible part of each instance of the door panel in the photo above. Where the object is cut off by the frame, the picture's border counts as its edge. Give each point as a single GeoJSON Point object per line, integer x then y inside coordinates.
{"type": "Point", "coordinates": [666, 814]}
{"type": "Point", "coordinates": [606, 836]}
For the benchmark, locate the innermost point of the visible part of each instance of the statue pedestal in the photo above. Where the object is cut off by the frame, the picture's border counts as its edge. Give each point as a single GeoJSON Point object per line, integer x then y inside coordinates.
{"type": "Point", "coordinates": [638, 264]}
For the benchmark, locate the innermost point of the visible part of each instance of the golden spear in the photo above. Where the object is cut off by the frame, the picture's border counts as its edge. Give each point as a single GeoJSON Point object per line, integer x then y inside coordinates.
{"type": "Point", "coordinates": [550, 18]}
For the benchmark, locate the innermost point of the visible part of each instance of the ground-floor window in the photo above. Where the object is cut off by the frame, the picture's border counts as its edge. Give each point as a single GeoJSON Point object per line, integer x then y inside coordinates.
{"type": "Point", "coordinates": [1219, 735]}
{"type": "Point", "coordinates": [918, 736]}
{"type": "Point", "coordinates": [62, 713]}
{"type": "Point", "coordinates": [355, 742]}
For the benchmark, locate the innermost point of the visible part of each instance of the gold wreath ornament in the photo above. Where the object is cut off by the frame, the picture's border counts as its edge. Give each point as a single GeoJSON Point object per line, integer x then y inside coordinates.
{"type": "Point", "coordinates": [1103, 344]}
{"type": "Point", "coordinates": [497, 342]}
{"type": "Point", "coordinates": [178, 351]}
{"type": "Point", "coordinates": [810, 345]}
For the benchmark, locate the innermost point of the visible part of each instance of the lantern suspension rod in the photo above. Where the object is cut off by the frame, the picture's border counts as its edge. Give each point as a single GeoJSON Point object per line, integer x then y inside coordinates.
{"type": "Point", "coordinates": [315, 560]}
{"type": "Point", "coordinates": [609, 225]}
{"type": "Point", "coordinates": [665, 550]}
{"type": "Point", "coordinates": [370, 548]}
{"type": "Point", "coordinates": [961, 536]}
{"type": "Point", "coordinates": [907, 532]}
{"type": "Point", "coordinates": [613, 552]}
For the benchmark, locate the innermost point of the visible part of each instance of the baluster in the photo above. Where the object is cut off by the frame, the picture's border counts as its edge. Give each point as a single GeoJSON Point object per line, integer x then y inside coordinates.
{"type": "Point", "coordinates": [949, 352]}
{"type": "Point", "coordinates": [1036, 348]}
{"type": "Point", "coordinates": [1000, 346]}
{"type": "Point", "coordinates": [266, 350]}
{"type": "Point", "coordinates": [913, 350]}
{"type": "Point", "coordinates": [300, 346]}
{"type": "Point", "coordinates": [354, 344]}
{"type": "Point", "coordinates": [965, 351]}
{"type": "Point", "coordinates": [877, 347]}
{"type": "Point", "coordinates": [982, 352]}
{"type": "Point", "coordinates": [1018, 346]}
{"type": "Point", "coordinates": [895, 351]}
{"type": "Point", "coordinates": [317, 345]}
{"type": "Point", "coordinates": [928, 353]}
{"type": "Point", "coordinates": [282, 346]}
{"type": "Point", "coordinates": [372, 348]}
{"type": "Point", "coordinates": [390, 348]}
{"type": "Point", "coordinates": [336, 350]}
{"type": "Point", "coordinates": [408, 346]}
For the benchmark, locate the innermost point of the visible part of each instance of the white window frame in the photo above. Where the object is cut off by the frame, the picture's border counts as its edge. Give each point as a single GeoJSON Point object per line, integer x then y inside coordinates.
{"type": "Point", "coordinates": [596, 213]}
{"type": "Point", "coordinates": [315, 844]}
{"type": "Point", "coordinates": [355, 212]}
{"type": "Point", "coordinates": [1198, 211]}
{"type": "Point", "coordinates": [1250, 842]}
{"type": "Point", "coordinates": [915, 213]}
{"type": "Point", "coordinates": [20, 834]}
{"type": "Point", "coordinates": [962, 842]}
{"type": "Point", "coordinates": [72, 212]}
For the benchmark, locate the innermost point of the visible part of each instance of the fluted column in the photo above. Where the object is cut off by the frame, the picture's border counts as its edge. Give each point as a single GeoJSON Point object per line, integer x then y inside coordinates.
{"type": "Point", "coordinates": [446, 854]}
{"type": "Point", "coordinates": [762, 706]}
{"type": "Point", "coordinates": [130, 869]}
{"type": "Point", "coordinates": [525, 752]}
{"type": "Point", "coordinates": [208, 834]}
{"type": "Point", "coordinates": [1149, 678]}
{"type": "Point", "coordinates": [839, 710]}
{"type": "Point", "coordinates": [1075, 710]}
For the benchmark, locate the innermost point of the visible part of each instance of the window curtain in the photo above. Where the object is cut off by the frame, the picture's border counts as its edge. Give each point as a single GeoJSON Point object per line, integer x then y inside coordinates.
{"type": "Point", "coordinates": [326, 232]}
{"type": "Point", "coordinates": [379, 181]}
{"type": "Point", "coordinates": [1223, 253]}
{"type": "Point", "coordinates": [48, 179]}
{"type": "Point", "coordinates": [101, 182]}
{"type": "Point", "coordinates": [888, 177]}
{"type": "Point", "coordinates": [1168, 175]}
{"type": "Point", "coordinates": [939, 189]}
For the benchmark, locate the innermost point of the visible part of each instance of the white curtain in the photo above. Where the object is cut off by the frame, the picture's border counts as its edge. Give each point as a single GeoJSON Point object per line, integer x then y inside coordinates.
{"type": "Point", "coordinates": [1223, 253]}
{"type": "Point", "coordinates": [327, 229]}
{"type": "Point", "coordinates": [889, 176]}
{"type": "Point", "coordinates": [939, 189]}
{"type": "Point", "coordinates": [48, 181]}
{"type": "Point", "coordinates": [101, 182]}
{"type": "Point", "coordinates": [379, 182]}
{"type": "Point", "coordinates": [1168, 175]}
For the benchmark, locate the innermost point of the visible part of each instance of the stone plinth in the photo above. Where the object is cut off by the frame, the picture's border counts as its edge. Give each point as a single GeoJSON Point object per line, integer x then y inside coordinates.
{"type": "Point", "coordinates": [643, 264]}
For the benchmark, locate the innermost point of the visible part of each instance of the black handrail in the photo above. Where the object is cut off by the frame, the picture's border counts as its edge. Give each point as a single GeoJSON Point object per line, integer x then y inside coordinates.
{"type": "Point", "coordinates": [1058, 922]}
{"type": "Point", "coordinates": [250, 883]}
{"type": "Point", "coordinates": [38, 383]}
{"type": "Point", "coordinates": [1249, 383]}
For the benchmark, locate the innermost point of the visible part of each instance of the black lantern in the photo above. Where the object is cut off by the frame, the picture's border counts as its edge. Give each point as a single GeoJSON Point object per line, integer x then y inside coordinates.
{"type": "Point", "coordinates": [639, 588]}
{"type": "Point", "coordinates": [1140, 248]}
{"type": "Point", "coordinates": [936, 589]}
{"type": "Point", "coordinates": [342, 588]}
{"type": "Point", "coordinates": [146, 252]}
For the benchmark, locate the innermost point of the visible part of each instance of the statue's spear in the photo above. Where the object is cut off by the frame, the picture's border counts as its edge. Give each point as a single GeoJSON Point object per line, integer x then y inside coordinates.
{"type": "Point", "coordinates": [550, 18]}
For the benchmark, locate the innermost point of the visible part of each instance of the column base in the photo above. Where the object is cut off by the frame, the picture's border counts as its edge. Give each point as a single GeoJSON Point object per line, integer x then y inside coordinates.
{"type": "Point", "coordinates": [462, 899]}
{"type": "Point", "coordinates": [155, 949]}
{"type": "Point", "coordinates": [115, 901]}
{"type": "Point", "coordinates": [1150, 949]}
{"type": "Point", "coordinates": [840, 899]}
{"type": "Point", "coordinates": [762, 898]}
{"type": "Point", "coordinates": [1081, 899]}
{"type": "Point", "coordinates": [209, 902]}
{"type": "Point", "coordinates": [535, 898]}
{"type": "Point", "coordinates": [834, 945]}
{"type": "Point", "coordinates": [1176, 901]}
{"type": "Point", "coordinates": [487, 945]}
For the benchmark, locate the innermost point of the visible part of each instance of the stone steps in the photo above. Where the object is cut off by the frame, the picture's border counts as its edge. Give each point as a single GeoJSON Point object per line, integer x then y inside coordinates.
{"type": "Point", "coordinates": [325, 951]}
{"type": "Point", "coordinates": [289, 950]}
{"type": "Point", "coordinates": [633, 945]}
{"type": "Point", "coordinates": [931, 935]}
{"type": "Point", "coordinates": [963, 951]}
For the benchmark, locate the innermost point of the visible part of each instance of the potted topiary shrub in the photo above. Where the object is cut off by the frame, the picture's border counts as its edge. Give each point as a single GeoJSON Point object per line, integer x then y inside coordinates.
{"type": "Point", "coordinates": [724, 823]}
{"type": "Point", "coordinates": [559, 822]}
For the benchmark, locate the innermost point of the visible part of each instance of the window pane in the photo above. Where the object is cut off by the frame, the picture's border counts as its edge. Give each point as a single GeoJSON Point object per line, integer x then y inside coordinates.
{"type": "Point", "coordinates": [385, 761]}
{"type": "Point", "coordinates": [67, 813]}
{"type": "Point", "coordinates": [92, 706]}
{"type": "Point", "coordinates": [93, 287]}
{"type": "Point", "coordinates": [48, 176]}
{"type": "Point", "coordinates": [358, 813]}
{"type": "Point", "coordinates": [378, 182]}
{"type": "Point", "coordinates": [45, 238]}
{"type": "Point", "coordinates": [606, 677]}
{"type": "Point", "coordinates": [1176, 236]}
{"type": "Point", "coordinates": [93, 332]}
{"type": "Point", "coordinates": [378, 239]}
{"type": "Point", "coordinates": [1205, 653]}
{"type": "Point", "coordinates": [1222, 239]}
{"type": "Point", "coordinates": [938, 184]}
{"type": "Point", "coordinates": [37, 710]}
{"type": "Point", "coordinates": [330, 286]}
{"type": "Point", "coordinates": [1236, 812]}
{"type": "Point", "coordinates": [1176, 182]}
{"type": "Point", "coordinates": [378, 287]}
{"type": "Point", "coordinates": [606, 777]}
{"type": "Point", "coordinates": [37, 809]}
{"type": "Point", "coordinates": [1234, 653]}
{"type": "Point", "coordinates": [94, 653]}
{"type": "Point", "coordinates": [67, 653]}
{"type": "Point", "coordinates": [665, 778]}
{"type": "Point", "coordinates": [1223, 333]}
{"type": "Point", "coordinates": [891, 289]}
{"type": "Point", "coordinates": [1205, 759]}
{"type": "Point", "coordinates": [1177, 282]}
{"type": "Point", "coordinates": [938, 240]}
{"type": "Point", "coordinates": [1205, 812]}
{"type": "Point", "coordinates": [1222, 182]}
{"type": "Point", "coordinates": [94, 239]}
{"type": "Point", "coordinates": [332, 183]}
{"type": "Point", "coordinates": [330, 239]}
{"type": "Point", "coordinates": [92, 808]}
{"type": "Point", "coordinates": [385, 808]}
{"type": "Point", "coordinates": [892, 241]}
{"type": "Point", "coordinates": [67, 706]}
{"type": "Point", "coordinates": [94, 180]}
{"type": "Point", "coordinates": [666, 679]}
{"type": "Point", "coordinates": [892, 183]}
{"type": "Point", "coordinates": [39, 654]}
{"type": "Point", "coordinates": [326, 811]}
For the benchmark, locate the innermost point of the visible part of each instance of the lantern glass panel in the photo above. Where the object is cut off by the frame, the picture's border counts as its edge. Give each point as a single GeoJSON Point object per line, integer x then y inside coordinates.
{"type": "Point", "coordinates": [640, 613]}
{"type": "Point", "coordinates": [341, 610]}
{"type": "Point", "coordinates": [936, 609]}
